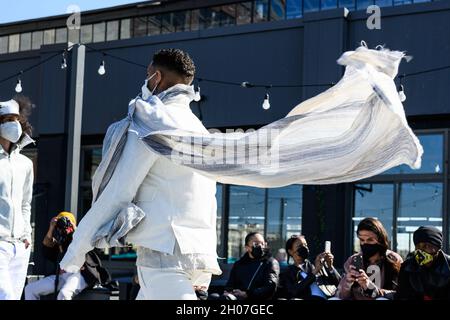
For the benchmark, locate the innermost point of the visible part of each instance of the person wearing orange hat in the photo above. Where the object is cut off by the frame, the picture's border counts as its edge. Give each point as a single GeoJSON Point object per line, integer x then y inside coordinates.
{"type": "Point", "coordinates": [65, 285]}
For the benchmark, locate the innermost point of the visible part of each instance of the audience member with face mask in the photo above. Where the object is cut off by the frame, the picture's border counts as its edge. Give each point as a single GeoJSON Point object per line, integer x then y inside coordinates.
{"type": "Point", "coordinates": [373, 272]}
{"type": "Point", "coordinates": [304, 280]}
{"type": "Point", "coordinates": [16, 191]}
{"type": "Point", "coordinates": [255, 275]}
{"type": "Point", "coordinates": [425, 274]}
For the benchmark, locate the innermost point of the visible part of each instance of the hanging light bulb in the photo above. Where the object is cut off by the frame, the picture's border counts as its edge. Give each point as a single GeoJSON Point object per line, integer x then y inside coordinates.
{"type": "Point", "coordinates": [101, 69]}
{"type": "Point", "coordinates": [63, 62]}
{"type": "Point", "coordinates": [198, 96]}
{"type": "Point", "coordinates": [401, 94]}
{"type": "Point", "coordinates": [266, 103]}
{"type": "Point", "coordinates": [19, 86]}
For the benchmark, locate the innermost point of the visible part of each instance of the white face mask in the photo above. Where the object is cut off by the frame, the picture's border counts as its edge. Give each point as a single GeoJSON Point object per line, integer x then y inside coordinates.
{"type": "Point", "coordinates": [11, 131]}
{"type": "Point", "coordinates": [146, 93]}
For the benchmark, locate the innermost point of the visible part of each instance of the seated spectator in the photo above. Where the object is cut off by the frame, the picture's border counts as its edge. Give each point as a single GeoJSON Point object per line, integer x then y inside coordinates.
{"type": "Point", "coordinates": [425, 274]}
{"type": "Point", "coordinates": [65, 284]}
{"type": "Point", "coordinates": [282, 257]}
{"type": "Point", "coordinates": [304, 280]}
{"type": "Point", "coordinates": [255, 275]}
{"type": "Point", "coordinates": [373, 272]}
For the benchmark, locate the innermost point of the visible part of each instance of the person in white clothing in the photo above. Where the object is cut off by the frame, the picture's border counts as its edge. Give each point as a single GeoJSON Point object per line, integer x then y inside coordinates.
{"type": "Point", "coordinates": [177, 238]}
{"type": "Point", "coordinates": [16, 191]}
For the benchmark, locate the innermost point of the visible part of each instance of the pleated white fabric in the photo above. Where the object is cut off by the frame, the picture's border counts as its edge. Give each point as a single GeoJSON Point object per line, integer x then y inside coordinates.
{"type": "Point", "coordinates": [352, 131]}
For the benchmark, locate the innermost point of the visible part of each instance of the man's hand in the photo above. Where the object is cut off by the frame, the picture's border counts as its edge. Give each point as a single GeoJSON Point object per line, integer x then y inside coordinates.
{"type": "Point", "coordinates": [27, 243]}
{"type": "Point", "coordinates": [62, 271]}
{"type": "Point", "coordinates": [329, 259]}
{"type": "Point", "coordinates": [52, 227]}
{"type": "Point", "coordinates": [240, 294]}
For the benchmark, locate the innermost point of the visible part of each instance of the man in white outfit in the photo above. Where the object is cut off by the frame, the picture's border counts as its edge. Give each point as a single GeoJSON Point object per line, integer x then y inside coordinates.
{"type": "Point", "coordinates": [16, 191]}
{"type": "Point", "coordinates": [177, 238]}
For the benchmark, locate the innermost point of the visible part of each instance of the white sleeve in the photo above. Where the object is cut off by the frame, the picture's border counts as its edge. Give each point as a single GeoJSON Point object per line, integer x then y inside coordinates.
{"type": "Point", "coordinates": [133, 166]}
{"type": "Point", "coordinates": [26, 204]}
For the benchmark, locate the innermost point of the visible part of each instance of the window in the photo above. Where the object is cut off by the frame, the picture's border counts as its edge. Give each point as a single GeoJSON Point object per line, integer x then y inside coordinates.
{"type": "Point", "coordinates": [384, 3]}
{"type": "Point", "coordinates": [14, 42]}
{"type": "Point", "coordinates": [244, 13]}
{"type": "Point", "coordinates": [349, 4]}
{"type": "Point", "coordinates": [419, 204]}
{"type": "Point", "coordinates": [223, 16]}
{"type": "Point", "coordinates": [246, 215]}
{"type": "Point", "coordinates": [49, 36]}
{"type": "Point", "coordinates": [277, 10]}
{"type": "Point", "coordinates": [260, 10]}
{"type": "Point", "coordinates": [294, 9]}
{"type": "Point", "coordinates": [182, 21]}
{"type": "Point", "coordinates": [275, 213]}
{"type": "Point", "coordinates": [125, 29]}
{"type": "Point", "coordinates": [99, 32]}
{"type": "Point", "coordinates": [167, 23]}
{"type": "Point", "coordinates": [37, 40]}
{"type": "Point", "coordinates": [403, 202]}
{"type": "Point", "coordinates": [90, 160]}
{"type": "Point", "coordinates": [432, 158]}
{"type": "Point", "coordinates": [328, 4]}
{"type": "Point", "coordinates": [112, 30]}
{"type": "Point", "coordinates": [363, 4]}
{"type": "Point", "coordinates": [86, 34]}
{"type": "Point", "coordinates": [154, 25]}
{"type": "Point", "coordinates": [3, 45]}
{"type": "Point", "coordinates": [139, 26]}
{"type": "Point", "coordinates": [284, 215]}
{"type": "Point", "coordinates": [61, 35]}
{"type": "Point", "coordinates": [311, 5]}
{"type": "Point", "coordinates": [25, 41]}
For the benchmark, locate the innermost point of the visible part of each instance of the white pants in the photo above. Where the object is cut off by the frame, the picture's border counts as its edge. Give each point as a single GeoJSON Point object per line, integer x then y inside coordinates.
{"type": "Point", "coordinates": [14, 260]}
{"type": "Point", "coordinates": [170, 284]}
{"type": "Point", "coordinates": [69, 285]}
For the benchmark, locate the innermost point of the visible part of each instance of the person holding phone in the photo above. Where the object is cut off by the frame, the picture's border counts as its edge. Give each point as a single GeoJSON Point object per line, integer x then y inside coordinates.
{"type": "Point", "coordinates": [373, 272]}
{"type": "Point", "coordinates": [304, 280]}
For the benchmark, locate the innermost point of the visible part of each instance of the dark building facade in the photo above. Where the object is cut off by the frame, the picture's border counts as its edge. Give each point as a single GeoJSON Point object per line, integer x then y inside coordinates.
{"type": "Point", "coordinates": [289, 43]}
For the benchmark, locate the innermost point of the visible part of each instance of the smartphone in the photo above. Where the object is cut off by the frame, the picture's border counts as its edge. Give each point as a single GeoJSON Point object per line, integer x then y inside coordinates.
{"type": "Point", "coordinates": [328, 246]}
{"type": "Point", "coordinates": [357, 262]}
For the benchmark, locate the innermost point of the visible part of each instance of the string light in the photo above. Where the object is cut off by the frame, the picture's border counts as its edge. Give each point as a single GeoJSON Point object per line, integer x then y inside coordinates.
{"type": "Point", "coordinates": [266, 103]}
{"type": "Point", "coordinates": [18, 87]}
{"type": "Point", "coordinates": [101, 70]}
{"type": "Point", "coordinates": [198, 95]}
{"type": "Point", "coordinates": [64, 62]}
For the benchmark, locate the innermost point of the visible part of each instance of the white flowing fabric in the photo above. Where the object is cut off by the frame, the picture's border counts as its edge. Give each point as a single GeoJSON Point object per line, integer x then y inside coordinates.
{"type": "Point", "coordinates": [352, 131]}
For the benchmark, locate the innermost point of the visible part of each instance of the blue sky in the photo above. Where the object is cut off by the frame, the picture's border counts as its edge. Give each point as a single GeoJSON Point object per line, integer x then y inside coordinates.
{"type": "Point", "coordinates": [18, 10]}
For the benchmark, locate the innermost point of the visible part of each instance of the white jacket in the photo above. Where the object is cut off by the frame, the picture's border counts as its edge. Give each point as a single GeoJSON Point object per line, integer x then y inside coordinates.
{"type": "Point", "coordinates": [16, 193]}
{"type": "Point", "coordinates": [179, 204]}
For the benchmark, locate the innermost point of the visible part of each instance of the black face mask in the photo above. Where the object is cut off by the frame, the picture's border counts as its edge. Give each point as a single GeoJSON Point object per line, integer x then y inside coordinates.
{"type": "Point", "coordinates": [257, 252]}
{"type": "Point", "coordinates": [303, 252]}
{"type": "Point", "coordinates": [369, 250]}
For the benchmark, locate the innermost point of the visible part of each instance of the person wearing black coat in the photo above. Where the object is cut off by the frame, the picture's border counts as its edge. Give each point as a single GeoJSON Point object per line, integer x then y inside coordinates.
{"type": "Point", "coordinates": [255, 275]}
{"type": "Point", "coordinates": [425, 274]}
{"type": "Point", "coordinates": [304, 280]}
{"type": "Point", "coordinates": [65, 285]}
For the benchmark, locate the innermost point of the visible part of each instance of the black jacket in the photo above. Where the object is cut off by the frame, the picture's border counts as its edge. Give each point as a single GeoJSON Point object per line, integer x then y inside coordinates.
{"type": "Point", "coordinates": [419, 283]}
{"type": "Point", "coordinates": [92, 271]}
{"type": "Point", "coordinates": [264, 273]}
{"type": "Point", "coordinates": [294, 285]}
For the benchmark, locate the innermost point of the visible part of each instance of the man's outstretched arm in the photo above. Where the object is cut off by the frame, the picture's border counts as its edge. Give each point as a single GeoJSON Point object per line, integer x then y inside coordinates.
{"type": "Point", "coordinates": [132, 167]}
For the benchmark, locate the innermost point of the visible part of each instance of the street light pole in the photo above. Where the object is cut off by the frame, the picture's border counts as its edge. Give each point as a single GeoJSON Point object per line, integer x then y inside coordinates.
{"type": "Point", "coordinates": [74, 127]}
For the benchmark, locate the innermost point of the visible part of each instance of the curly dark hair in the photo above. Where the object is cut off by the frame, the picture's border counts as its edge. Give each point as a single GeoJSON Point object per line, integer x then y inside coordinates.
{"type": "Point", "coordinates": [25, 107]}
{"type": "Point", "coordinates": [177, 61]}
